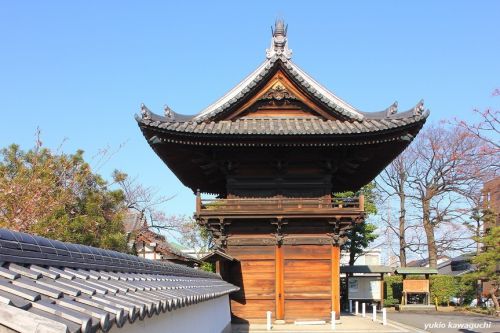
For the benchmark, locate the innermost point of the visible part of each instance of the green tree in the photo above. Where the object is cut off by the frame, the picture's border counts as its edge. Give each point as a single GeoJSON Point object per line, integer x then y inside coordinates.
{"type": "Point", "coordinates": [393, 287]}
{"type": "Point", "coordinates": [361, 235]}
{"type": "Point", "coordinates": [488, 263]}
{"type": "Point", "coordinates": [443, 288]}
{"type": "Point", "coordinates": [57, 195]}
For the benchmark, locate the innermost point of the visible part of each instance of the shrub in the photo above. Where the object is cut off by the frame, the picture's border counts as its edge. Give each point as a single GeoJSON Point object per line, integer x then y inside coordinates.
{"type": "Point", "coordinates": [393, 289]}
{"type": "Point", "coordinates": [466, 289]}
{"type": "Point", "coordinates": [443, 287]}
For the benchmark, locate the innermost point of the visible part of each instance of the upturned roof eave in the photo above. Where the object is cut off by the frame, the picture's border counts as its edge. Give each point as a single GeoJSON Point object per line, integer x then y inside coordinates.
{"type": "Point", "coordinates": [368, 128]}
{"type": "Point", "coordinates": [390, 113]}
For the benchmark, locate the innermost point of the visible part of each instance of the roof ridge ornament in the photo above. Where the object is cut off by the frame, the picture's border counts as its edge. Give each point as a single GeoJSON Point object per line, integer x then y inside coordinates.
{"type": "Point", "coordinates": [167, 111]}
{"type": "Point", "coordinates": [145, 112]}
{"type": "Point", "coordinates": [279, 45]}
{"type": "Point", "coordinates": [391, 110]}
{"type": "Point", "coordinates": [418, 110]}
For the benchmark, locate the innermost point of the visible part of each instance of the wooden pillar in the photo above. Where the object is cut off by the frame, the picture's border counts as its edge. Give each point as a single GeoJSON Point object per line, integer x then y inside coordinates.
{"type": "Point", "coordinates": [280, 290]}
{"type": "Point", "coordinates": [218, 267]}
{"type": "Point", "coordinates": [381, 291]}
{"type": "Point", "coordinates": [198, 202]}
{"type": "Point", "coordinates": [427, 277]}
{"type": "Point", "coordinates": [404, 291]}
{"type": "Point", "coordinates": [347, 276]}
{"type": "Point", "coordinates": [362, 203]}
{"type": "Point", "coordinates": [336, 280]}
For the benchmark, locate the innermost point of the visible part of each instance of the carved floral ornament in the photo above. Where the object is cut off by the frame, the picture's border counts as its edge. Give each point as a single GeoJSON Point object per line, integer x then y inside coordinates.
{"type": "Point", "coordinates": [278, 94]}
{"type": "Point", "coordinates": [279, 236]}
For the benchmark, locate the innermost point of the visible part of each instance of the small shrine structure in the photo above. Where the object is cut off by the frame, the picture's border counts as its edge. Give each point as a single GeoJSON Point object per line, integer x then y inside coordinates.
{"type": "Point", "coordinates": [416, 292]}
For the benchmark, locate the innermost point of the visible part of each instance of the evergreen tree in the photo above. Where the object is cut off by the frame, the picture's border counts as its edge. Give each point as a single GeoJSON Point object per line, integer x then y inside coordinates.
{"type": "Point", "coordinates": [361, 235]}
{"type": "Point", "coordinates": [488, 263]}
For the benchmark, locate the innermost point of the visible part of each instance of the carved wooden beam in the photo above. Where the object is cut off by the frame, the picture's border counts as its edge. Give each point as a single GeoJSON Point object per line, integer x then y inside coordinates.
{"type": "Point", "coordinates": [338, 235]}
{"type": "Point", "coordinates": [304, 240]}
{"type": "Point", "coordinates": [220, 235]}
{"type": "Point", "coordinates": [264, 241]}
{"type": "Point", "coordinates": [279, 235]}
{"type": "Point", "coordinates": [271, 241]}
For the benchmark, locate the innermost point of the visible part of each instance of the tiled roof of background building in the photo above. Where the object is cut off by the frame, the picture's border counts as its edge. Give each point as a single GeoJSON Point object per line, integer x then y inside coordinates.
{"type": "Point", "coordinates": [162, 245]}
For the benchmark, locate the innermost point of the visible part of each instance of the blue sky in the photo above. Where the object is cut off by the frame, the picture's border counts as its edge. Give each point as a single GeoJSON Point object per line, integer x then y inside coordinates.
{"type": "Point", "coordinates": [79, 70]}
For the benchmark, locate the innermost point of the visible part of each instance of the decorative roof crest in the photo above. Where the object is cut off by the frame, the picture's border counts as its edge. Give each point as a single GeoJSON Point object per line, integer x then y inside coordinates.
{"type": "Point", "coordinates": [393, 109]}
{"type": "Point", "coordinates": [279, 46]}
{"type": "Point", "coordinates": [419, 108]}
{"type": "Point", "coordinates": [167, 111]}
{"type": "Point", "coordinates": [145, 113]}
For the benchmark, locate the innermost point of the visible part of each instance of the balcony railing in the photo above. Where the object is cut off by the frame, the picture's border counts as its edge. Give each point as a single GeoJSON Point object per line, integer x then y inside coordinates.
{"type": "Point", "coordinates": [277, 205]}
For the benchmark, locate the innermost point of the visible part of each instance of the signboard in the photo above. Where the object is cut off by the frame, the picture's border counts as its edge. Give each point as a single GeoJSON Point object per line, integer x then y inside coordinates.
{"type": "Point", "coordinates": [416, 286]}
{"type": "Point", "coordinates": [353, 285]}
{"type": "Point", "coordinates": [364, 287]}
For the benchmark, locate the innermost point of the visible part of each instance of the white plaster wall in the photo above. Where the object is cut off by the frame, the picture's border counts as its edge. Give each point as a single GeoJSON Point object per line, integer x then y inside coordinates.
{"type": "Point", "coordinates": [370, 257]}
{"type": "Point", "coordinates": [211, 316]}
{"type": "Point", "coordinates": [147, 252]}
{"type": "Point", "coordinates": [150, 255]}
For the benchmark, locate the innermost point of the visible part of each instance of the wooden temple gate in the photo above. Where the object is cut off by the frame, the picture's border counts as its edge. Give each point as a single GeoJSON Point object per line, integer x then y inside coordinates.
{"type": "Point", "coordinates": [273, 152]}
{"type": "Point", "coordinates": [286, 263]}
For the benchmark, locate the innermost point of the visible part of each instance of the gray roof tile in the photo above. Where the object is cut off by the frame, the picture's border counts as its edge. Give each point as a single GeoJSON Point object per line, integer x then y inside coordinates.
{"type": "Point", "coordinates": [87, 296]}
{"type": "Point", "coordinates": [9, 274]}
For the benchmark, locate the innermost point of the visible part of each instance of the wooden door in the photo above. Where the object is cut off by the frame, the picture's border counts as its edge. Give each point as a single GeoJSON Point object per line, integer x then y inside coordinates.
{"type": "Point", "coordinates": [307, 282]}
{"type": "Point", "coordinates": [255, 275]}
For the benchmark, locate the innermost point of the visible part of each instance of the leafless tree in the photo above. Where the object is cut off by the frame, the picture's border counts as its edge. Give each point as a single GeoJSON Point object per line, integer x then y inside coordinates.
{"type": "Point", "coordinates": [195, 236]}
{"type": "Point", "coordinates": [448, 162]}
{"type": "Point", "coordinates": [487, 128]}
{"type": "Point", "coordinates": [394, 182]}
{"type": "Point", "coordinates": [147, 203]}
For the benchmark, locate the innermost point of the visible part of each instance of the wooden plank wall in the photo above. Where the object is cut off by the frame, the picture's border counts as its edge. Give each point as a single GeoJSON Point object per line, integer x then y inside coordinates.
{"type": "Point", "coordinates": [255, 275]}
{"type": "Point", "coordinates": [306, 285]}
{"type": "Point", "coordinates": [307, 281]}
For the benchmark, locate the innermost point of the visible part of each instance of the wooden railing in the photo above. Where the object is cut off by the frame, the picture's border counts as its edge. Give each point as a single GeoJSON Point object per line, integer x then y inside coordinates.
{"type": "Point", "coordinates": [277, 204]}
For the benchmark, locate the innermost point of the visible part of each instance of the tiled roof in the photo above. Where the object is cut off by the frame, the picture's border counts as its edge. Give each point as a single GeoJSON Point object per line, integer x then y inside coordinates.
{"type": "Point", "coordinates": [216, 255]}
{"type": "Point", "coordinates": [278, 58]}
{"type": "Point", "coordinates": [285, 126]}
{"type": "Point", "coordinates": [280, 55]}
{"type": "Point", "coordinates": [132, 222]}
{"type": "Point", "coordinates": [241, 90]}
{"type": "Point", "coordinates": [366, 269]}
{"type": "Point", "coordinates": [74, 288]}
{"type": "Point", "coordinates": [163, 246]}
{"type": "Point", "coordinates": [425, 261]}
{"type": "Point", "coordinates": [416, 270]}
